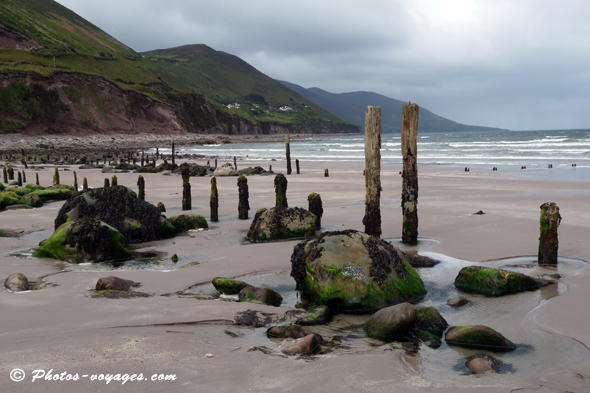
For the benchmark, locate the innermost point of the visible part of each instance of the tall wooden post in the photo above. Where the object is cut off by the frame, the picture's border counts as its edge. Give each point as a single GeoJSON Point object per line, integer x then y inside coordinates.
{"type": "Point", "coordinates": [288, 150]}
{"type": "Point", "coordinates": [24, 176]}
{"type": "Point", "coordinates": [107, 183]}
{"type": "Point", "coordinates": [84, 184]}
{"type": "Point", "coordinates": [114, 181]}
{"type": "Point", "coordinates": [56, 177]}
{"type": "Point", "coordinates": [173, 154]}
{"type": "Point", "coordinates": [19, 179]}
{"type": "Point", "coordinates": [37, 179]}
{"type": "Point", "coordinates": [75, 181]}
{"type": "Point", "coordinates": [186, 187]}
{"type": "Point", "coordinates": [372, 218]}
{"type": "Point", "coordinates": [11, 173]}
{"type": "Point", "coordinates": [297, 165]}
{"type": "Point", "coordinates": [214, 203]}
{"type": "Point", "coordinates": [5, 173]}
{"type": "Point", "coordinates": [548, 242]}
{"type": "Point", "coordinates": [235, 164]}
{"type": "Point", "coordinates": [281, 190]}
{"type": "Point", "coordinates": [243, 205]}
{"type": "Point", "coordinates": [410, 115]}
{"type": "Point", "coordinates": [315, 207]}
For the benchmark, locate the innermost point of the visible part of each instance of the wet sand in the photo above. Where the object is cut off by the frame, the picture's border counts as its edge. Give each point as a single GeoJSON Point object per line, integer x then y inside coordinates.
{"type": "Point", "coordinates": [60, 327]}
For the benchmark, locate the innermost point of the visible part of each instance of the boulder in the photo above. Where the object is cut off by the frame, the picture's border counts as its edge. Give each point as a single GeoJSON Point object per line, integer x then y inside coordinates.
{"type": "Point", "coordinates": [429, 339]}
{"type": "Point", "coordinates": [120, 207]}
{"type": "Point", "coordinates": [303, 346]}
{"type": "Point", "coordinates": [391, 321]}
{"type": "Point", "coordinates": [226, 170]}
{"type": "Point", "coordinates": [32, 199]}
{"type": "Point", "coordinates": [184, 222]}
{"type": "Point", "coordinates": [55, 193]}
{"type": "Point", "coordinates": [353, 271]}
{"type": "Point", "coordinates": [114, 283]}
{"type": "Point", "coordinates": [495, 282]}
{"type": "Point", "coordinates": [197, 170]}
{"type": "Point", "coordinates": [229, 286]}
{"type": "Point", "coordinates": [255, 318]}
{"type": "Point", "coordinates": [291, 331]}
{"type": "Point", "coordinates": [17, 282]}
{"type": "Point", "coordinates": [457, 302]}
{"type": "Point", "coordinates": [478, 336]}
{"type": "Point", "coordinates": [420, 260]}
{"type": "Point", "coordinates": [282, 223]}
{"type": "Point", "coordinates": [482, 363]}
{"type": "Point", "coordinates": [8, 198]}
{"type": "Point", "coordinates": [252, 171]}
{"type": "Point", "coordinates": [260, 295]}
{"type": "Point", "coordinates": [84, 240]}
{"type": "Point", "coordinates": [430, 320]}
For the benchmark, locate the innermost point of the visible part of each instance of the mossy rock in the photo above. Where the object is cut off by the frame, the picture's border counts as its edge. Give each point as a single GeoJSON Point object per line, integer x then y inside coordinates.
{"type": "Point", "coordinates": [314, 316]}
{"type": "Point", "coordinates": [112, 294]}
{"type": "Point", "coordinates": [290, 331]}
{"type": "Point", "coordinates": [84, 240]}
{"type": "Point", "coordinates": [2, 188]}
{"type": "Point", "coordinates": [261, 296]}
{"type": "Point", "coordinates": [430, 320]}
{"type": "Point", "coordinates": [495, 282]}
{"type": "Point", "coordinates": [280, 223]}
{"type": "Point", "coordinates": [161, 207]}
{"type": "Point", "coordinates": [478, 336]}
{"type": "Point", "coordinates": [353, 271]}
{"type": "Point", "coordinates": [429, 339]}
{"type": "Point", "coordinates": [391, 321]}
{"type": "Point", "coordinates": [147, 169]}
{"type": "Point", "coordinates": [32, 200]}
{"type": "Point", "coordinates": [17, 282]}
{"type": "Point", "coordinates": [184, 222]}
{"type": "Point", "coordinates": [8, 198]}
{"type": "Point", "coordinates": [229, 286]}
{"type": "Point", "coordinates": [55, 193]}
{"type": "Point", "coordinates": [168, 230]}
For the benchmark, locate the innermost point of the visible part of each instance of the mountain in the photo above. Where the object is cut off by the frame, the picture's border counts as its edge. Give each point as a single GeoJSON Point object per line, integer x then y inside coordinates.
{"type": "Point", "coordinates": [61, 74]}
{"type": "Point", "coordinates": [352, 106]}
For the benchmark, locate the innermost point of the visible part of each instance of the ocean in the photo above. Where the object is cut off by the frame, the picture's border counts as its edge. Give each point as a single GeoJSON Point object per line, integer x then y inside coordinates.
{"type": "Point", "coordinates": [533, 149]}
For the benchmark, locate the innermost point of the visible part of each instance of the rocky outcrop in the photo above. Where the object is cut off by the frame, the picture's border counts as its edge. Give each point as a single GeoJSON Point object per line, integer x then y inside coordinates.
{"type": "Point", "coordinates": [118, 206]}
{"type": "Point", "coordinates": [391, 321]}
{"type": "Point", "coordinates": [495, 282]}
{"type": "Point", "coordinates": [478, 336]}
{"type": "Point", "coordinates": [352, 271]}
{"type": "Point", "coordinates": [17, 282]}
{"type": "Point", "coordinates": [282, 223]}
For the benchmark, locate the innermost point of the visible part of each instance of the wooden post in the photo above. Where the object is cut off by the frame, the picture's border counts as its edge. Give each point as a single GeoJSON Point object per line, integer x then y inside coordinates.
{"type": "Point", "coordinates": [11, 173]}
{"type": "Point", "coordinates": [235, 164]}
{"type": "Point", "coordinates": [326, 173]}
{"type": "Point", "coordinates": [216, 163]}
{"type": "Point", "coordinates": [315, 207]}
{"type": "Point", "coordinates": [297, 165]}
{"type": "Point", "coordinates": [19, 179]}
{"type": "Point", "coordinates": [161, 207]}
{"type": "Point", "coordinates": [548, 242]}
{"type": "Point", "coordinates": [173, 154]}
{"type": "Point", "coordinates": [372, 218]}
{"type": "Point", "coordinates": [5, 173]}
{"type": "Point", "coordinates": [288, 149]}
{"type": "Point", "coordinates": [56, 177]}
{"type": "Point", "coordinates": [75, 181]}
{"type": "Point", "coordinates": [24, 177]}
{"type": "Point", "coordinates": [85, 184]}
{"type": "Point", "coordinates": [214, 203]}
{"type": "Point", "coordinates": [114, 181]}
{"type": "Point", "coordinates": [243, 205]}
{"type": "Point", "coordinates": [107, 184]}
{"type": "Point", "coordinates": [410, 115]}
{"type": "Point", "coordinates": [186, 186]}
{"type": "Point", "coordinates": [281, 190]}
{"type": "Point", "coordinates": [37, 177]}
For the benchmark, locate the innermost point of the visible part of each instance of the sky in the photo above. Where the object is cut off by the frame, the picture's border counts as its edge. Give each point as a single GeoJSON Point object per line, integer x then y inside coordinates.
{"type": "Point", "coordinates": [514, 64]}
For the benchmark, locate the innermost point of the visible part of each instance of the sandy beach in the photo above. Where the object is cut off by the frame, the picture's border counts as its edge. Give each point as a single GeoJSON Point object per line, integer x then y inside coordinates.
{"type": "Point", "coordinates": [61, 328]}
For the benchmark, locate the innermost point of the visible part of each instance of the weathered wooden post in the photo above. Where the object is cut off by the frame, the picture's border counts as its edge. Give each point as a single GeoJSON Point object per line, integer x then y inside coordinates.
{"type": "Point", "coordinates": [56, 177]}
{"type": "Point", "coordinates": [288, 152]}
{"type": "Point", "coordinates": [10, 173]}
{"type": "Point", "coordinates": [315, 206]}
{"type": "Point", "coordinates": [141, 187]}
{"type": "Point", "coordinates": [19, 180]}
{"type": "Point", "coordinates": [107, 184]}
{"type": "Point", "coordinates": [157, 153]}
{"type": "Point", "coordinates": [75, 181]}
{"type": "Point", "coordinates": [410, 115]}
{"type": "Point", "coordinates": [235, 164]}
{"type": "Point", "coordinates": [85, 184]}
{"type": "Point", "coordinates": [161, 207]}
{"type": "Point", "coordinates": [214, 202]}
{"type": "Point", "coordinates": [297, 165]}
{"type": "Point", "coordinates": [24, 177]}
{"type": "Point", "coordinates": [5, 173]}
{"type": "Point", "coordinates": [114, 181]}
{"type": "Point", "coordinates": [326, 173]}
{"type": "Point", "coordinates": [186, 186]}
{"type": "Point", "coordinates": [372, 218]}
{"type": "Point", "coordinates": [243, 205]}
{"type": "Point", "coordinates": [142, 158]}
{"type": "Point", "coordinates": [281, 190]}
{"type": "Point", "coordinates": [173, 153]}
{"type": "Point", "coordinates": [37, 177]}
{"type": "Point", "coordinates": [548, 242]}
{"type": "Point", "coordinates": [216, 163]}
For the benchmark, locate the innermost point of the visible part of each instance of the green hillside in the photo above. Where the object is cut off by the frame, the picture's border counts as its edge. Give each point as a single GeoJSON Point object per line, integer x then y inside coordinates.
{"type": "Point", "coordinates": [352, 106]}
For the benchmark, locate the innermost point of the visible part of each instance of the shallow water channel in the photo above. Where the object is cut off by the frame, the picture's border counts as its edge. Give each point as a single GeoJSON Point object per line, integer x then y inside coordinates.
{"type": "Point", "coordinates": [537, 351]}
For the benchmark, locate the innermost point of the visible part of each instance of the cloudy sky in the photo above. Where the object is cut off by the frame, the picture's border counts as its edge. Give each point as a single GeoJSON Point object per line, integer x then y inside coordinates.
{"type": "Point", "coordinates": [516, 64]}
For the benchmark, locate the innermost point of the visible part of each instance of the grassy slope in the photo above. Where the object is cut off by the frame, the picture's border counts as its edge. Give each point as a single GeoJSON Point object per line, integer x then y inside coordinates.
{"type": "Point", "coordinates": [352, 106]}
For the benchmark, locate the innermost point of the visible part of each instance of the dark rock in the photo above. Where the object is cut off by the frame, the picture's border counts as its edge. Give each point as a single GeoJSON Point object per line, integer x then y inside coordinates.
{"type": "Point", "coordinates": [457, 302]}
{"type": "Point", "coordinates": [229, 286]}
{"type": "Point", "coordinates": [17, 282]}
{"type": "Point", "coordinates": [291, 331]}
{"type": "Point", "coordinates": [429, 339]}
{"type": "Point", "coordinates": [478, 336]}
{"type": "Point", "coordinates": [482, 363]}
{"type": "Point", "coordinates": [197, 170]}
{"type": "Point", "coordinates": [430, 320]}
{"type": "Point", "coordinates": [352, 271]}
{"type": "Point", "coordinates": [420, 260]}
{"type": "Point", "coordinates": [260, 295]}
{"type": "Point", "coordinates": [495, 282]}
{"type": "Point", "coordinates": [114, 283]}
{"type": "Point", "coordinates": [252, 171]}
{"type": "Point", "coordinates": [391, 321]}
{"type": "Point", "coordinates": [303, 346]}
{"type": "Point", "coordinates": [282, 223]}
{"type": "Point", "coordinates": [314, 316]}
{"type": "Point", "coordinates": [184, 222]}
{"type": "Point", "coordinates": [255, 318]}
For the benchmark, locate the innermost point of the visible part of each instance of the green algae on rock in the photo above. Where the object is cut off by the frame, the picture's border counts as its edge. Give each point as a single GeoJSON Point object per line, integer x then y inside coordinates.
{"type": "Point", "coordinates": [229, 286]}
{"type": "Point", "coordinates": [430, 320]}
{"type": "Point", "coordinates": [352, 271]}
{"type": "Point", "coordinates": [260, 295]}
{"type": "Point", "coordinates": [495, 282]}
{"type": "Point", "coordinates": [184, 222]}
{"type": "Point", "coordinates": [281, 223]}
{"type": "Point", "coordinates": [391, 321]}
{"type": "Point", "coordinates": [478, 336]}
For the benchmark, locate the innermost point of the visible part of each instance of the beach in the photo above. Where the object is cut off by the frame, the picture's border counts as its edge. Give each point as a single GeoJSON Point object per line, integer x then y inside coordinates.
{"type": "Point", "coordinates": [61, 328]}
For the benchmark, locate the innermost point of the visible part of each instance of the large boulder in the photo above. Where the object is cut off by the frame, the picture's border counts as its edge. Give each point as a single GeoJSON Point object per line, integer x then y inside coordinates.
{"type": "Point", "coordinates": [226, 170]}
{"type": "Point", "coordinates": [391, 321]}
{"type": "Point", "coordinates": [353, 271]}
{"type": "Point", "coordinates": [84, 240]}
{"type": "Point", "coordinates": [120, 207]}
{"type": "Point", "coordinates": [430, 320]}
{"type": "Point", "coordinates": [229, 286]}
{"type": "Point", "coordinates": [478, 336]}
{"type": "Point", "coordinates": [184, 222]}
{"type": "Point", "coordinates": [282, 223]}
{"type": "Point", "coordinates": [260, 295]}
{"type": "Point", "coordinates": [17, 282]}
{"type": "Point", "coordinates": [495, 282]}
